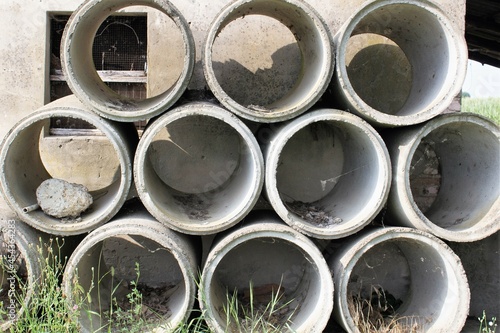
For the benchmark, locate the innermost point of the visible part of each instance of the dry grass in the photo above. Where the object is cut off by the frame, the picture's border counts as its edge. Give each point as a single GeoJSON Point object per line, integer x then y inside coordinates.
{"type": "Point", "coordinates": [376, 315]}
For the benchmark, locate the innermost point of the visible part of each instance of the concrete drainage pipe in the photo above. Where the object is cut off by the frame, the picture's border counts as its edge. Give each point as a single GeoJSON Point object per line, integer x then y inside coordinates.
{"type": "Point", "coordinates": [445, 178]}
{"type": "Point", "coordinates": [105, 263]}
{"type": "Point", "coordinates": [20, 264]}
{"type": "Point", "coordinates": [257, 262]}
{"type": "Point", "coordinates": [23, 168]}
{"type": "Point", "coordinates": [399, 275]}
{"type": "Point", "coordinates": [426, 72]}
{"type": "Point", "coordinates": [327, 173]}
{"type": "Point", "coordinates": [314, 41]}
{"type": "Point", "coordinates": [85, 82]}
{"type": "Point", "coordinates": [198, 169]}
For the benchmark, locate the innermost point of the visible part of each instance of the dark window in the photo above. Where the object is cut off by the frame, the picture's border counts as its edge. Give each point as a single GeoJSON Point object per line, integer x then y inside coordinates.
{"type": "Point", "coordinates": [120, 58]}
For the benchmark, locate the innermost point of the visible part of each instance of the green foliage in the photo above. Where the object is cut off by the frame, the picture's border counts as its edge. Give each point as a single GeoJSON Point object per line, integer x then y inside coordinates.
{"type": "Point", "coordinates": [246, 313]}
{"type": "Point", "coordinates": [487, 107]}
{"type": "Point", "coordinates": [487, 326]}
{"type": "Point", "coordinates": [48, 311]}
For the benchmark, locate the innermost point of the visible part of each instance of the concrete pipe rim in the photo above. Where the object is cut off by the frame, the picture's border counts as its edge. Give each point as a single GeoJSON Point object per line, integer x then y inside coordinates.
{"type": "Point", "coordinates": [379, 189]}
{"type": "Point", "coordinates": [82, 77]}
{"type": "Point", "coordinates": [320, 315]}
{"type": "Point", "coordinates": [486, 221]}
{"type": "Point", "coordinates": [27, 250]}
{"type": "Point", "coordinates": [315, 75]}
{"type": "Point", "coordinates": [371, 239]}
{"type": "Point", "coordinates": [251, 162]}
{"type": "Point", "coordinates": [116, 193]}
{"type": "Point", "coordinates": [151, 230]}
{"type": "Point", "coordinates": [436, 100]}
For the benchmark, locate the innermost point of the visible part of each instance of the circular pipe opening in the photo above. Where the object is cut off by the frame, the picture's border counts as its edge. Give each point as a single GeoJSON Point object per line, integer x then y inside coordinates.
{"type": "Point", "coordinates": [413, 44]}
{"type": "Point", "coordinates": [313, 40]}
{"type": "Point", "coordinates": [30, 155]}
{"type": "Point", "coordinates": [126, 256]}
{"type": "Point", "coordinates": [267, 260]}
{"type": "Point", "coordinates": [404, 276]}
{"type": "Point", "coordinates": [328, 173]}
{"type": "Point", "coordinates": [451, 180]}
{"type": "Point", "coordinates": [85, 82]}
{"type": "Point", "coordinates": [199, 169]}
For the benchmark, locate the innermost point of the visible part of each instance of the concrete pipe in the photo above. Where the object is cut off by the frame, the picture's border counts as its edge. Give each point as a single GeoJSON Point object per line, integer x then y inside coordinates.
{"type": "Point", "coordinates": [410, 76]}
{"type": "Point", "coordinates": [445, 178]}
{"type": "Point", "coordinates": [20, 264]}
{"type": "Point", "coordinates": [83, 79]}
{"type": "Point", "coordinates": [314, 41]}
{"type": "Point", "coordinates": [327, 173]}
{"type": "Point", "coordinates": [23, 169]}
{"type": "Point", "coordinates": [104, 264]}
{"type": "Point", "coordinates": [265, 258]}
{"type": "Point", "coordinates": [198, 169]}
{"type": "Point", "coordinates": [401, 277]}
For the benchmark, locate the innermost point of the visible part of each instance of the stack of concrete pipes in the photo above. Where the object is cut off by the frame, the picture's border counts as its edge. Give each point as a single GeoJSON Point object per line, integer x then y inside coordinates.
{"type": "Point", "coordinates": [309, 191]}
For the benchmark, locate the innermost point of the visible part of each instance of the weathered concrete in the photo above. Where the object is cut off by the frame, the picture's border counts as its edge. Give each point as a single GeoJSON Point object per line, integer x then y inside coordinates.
{"type": "Point", "coordinates": [314, 41]}
{"type": "Point", "coordinates": [198, 169]}
{"type": "Point", "coordinates": [261, 253]}
{"type": "Point", "coordinates": [22, 169]}
{"type": "Point", "coordinates": [24, 70]}
{"type": "Point", "coordinates": [166, 260]}
{"type": "Point", "coordinates": [466, 148]}
{"type": "Point", "coordinates": [424, 277]}
{"type": "Point", "coordinates": [334, 164]}
{"type": "Point", "coordinates": [83, 80]}
{"type": "Point", "coordinates": [436, 63]}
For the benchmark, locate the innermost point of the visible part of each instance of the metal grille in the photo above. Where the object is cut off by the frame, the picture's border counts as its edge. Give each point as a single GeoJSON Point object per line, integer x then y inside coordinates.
{"type": "Point", "coordinates": [121, 44]}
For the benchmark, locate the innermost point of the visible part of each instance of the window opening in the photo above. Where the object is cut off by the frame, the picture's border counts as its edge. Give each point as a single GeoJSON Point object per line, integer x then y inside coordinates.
{"type": "Point", "coordinates": [120, 58]}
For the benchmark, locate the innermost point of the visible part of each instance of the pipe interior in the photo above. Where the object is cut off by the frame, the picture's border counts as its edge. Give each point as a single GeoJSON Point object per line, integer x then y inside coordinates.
{"type": "Point", "coordinates": [428, 58]}
{"type": "Point", "coordinates": [26, 168]}
{"type": "Point", "coordinates": [410, 279]}
{"type": "Point", "coordinates": [467, 157]}
{"type": "Point", "coordinates": [251, 69]}
{"type": "Point", "coordinates": [267, 264]}
{"type": "Point", "coordinates": [83, 70]}
{"type": "Point", "coordinates": [332, 168]}
{"type": "Point", "coordinates": [160, 281]}
{"type": "Point", "coordinates": [385, 90]}
{"type": "Point", "coordinates": [310, 42]}
{"type": "Point", "coordinates": [198, 169]}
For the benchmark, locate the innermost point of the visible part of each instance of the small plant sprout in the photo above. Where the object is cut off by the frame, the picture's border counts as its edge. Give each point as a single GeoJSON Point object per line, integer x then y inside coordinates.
{"type": "Point", "coordinates": [487, 326]}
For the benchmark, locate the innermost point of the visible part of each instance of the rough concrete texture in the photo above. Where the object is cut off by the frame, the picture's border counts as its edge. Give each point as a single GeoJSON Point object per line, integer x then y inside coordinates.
{"type": "Point", "coordinates": [93, 156]}
{"type": "Point", "coordinates": [24, 69]}
{"type": "Point", "coordinates": [23, 50]}
{"type": "Point", "coordinates": [59, 198]}
{"type": "Point", "coordinates": [411, 273]}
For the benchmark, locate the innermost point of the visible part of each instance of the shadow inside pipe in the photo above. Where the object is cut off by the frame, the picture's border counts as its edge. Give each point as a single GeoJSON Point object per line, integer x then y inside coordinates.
{"type": "Point", "coordinates": [263, 86]}
{"type": "Point", "coordinates": [379, 73]}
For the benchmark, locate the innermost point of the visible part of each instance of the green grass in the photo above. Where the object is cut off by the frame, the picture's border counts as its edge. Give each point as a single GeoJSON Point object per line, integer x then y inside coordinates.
{"type": "Point", "coordinates": [51, 311]}
{"type": "Point", "coordinates": [487, 325]}
{"type": "Point", "coordinates": [487, 107]}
